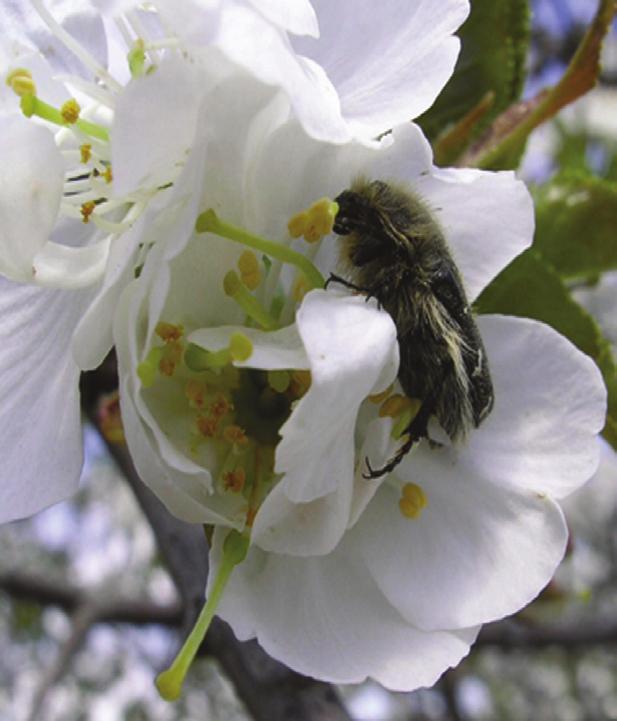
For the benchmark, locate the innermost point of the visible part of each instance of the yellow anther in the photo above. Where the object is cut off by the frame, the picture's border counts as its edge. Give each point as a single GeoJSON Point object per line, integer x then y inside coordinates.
{"type": "Point", "coordinates": [86, 152]}
{"type": "Point", "coordinates": [236, 289]}
{"type": "Point", "coordinates": [108, 175]}
{"type": "Point", "coordinates": [235, 435]}
{"type": "Point", "coordinates": [21, 83]}
{"type": "Point", "coordinates": [137, 58]}
{"type": "Point", "coordinates": [231, 283]}
{"type": "Point", "coordinates": [394, 405]}
{"type": "Point", "coordinates": [279, 380]}
{"type": "Point", "coordinates": [240, 347]}
{"type": "Point", "coordinates": [168, 331]}
{"type": "Point", "coordinates": [220, 406]}
{"type": "Point", "coordinates": [413, 500]}
{"type": "Point", "coordinates": [315, 222]}
{"type": "Point", "coordinates": [207, 426]}
{"type": "Point", "coordinates": [234, 480]}
{"type": "Point", "coordinates": [298, 223]}
{"type": "Point", "coordinates": [300, 288]}
{"type": "Point", "coordinates": [250, 272]}
{"type": "Point", "coordinates": [379, 397]}
{"type": "Point", "coordinates": [171, 357]}
{"type": "Point", "coordinates": [70, 111]}
{"type": "Point", "coordinates": [87, 209]}
{"type": "Point", "coordinates": [195, 392]}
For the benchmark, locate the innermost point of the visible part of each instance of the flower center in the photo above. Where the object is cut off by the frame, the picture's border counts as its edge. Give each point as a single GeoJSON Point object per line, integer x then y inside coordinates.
{"type": "Point", "coordinates": [231, 416]}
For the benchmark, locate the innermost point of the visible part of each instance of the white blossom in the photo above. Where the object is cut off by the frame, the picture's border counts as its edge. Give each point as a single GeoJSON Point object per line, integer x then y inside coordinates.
{"type": "Point", "coordinates": [342, 581]}
{"type": "Point", "coordinates": [81, 206]}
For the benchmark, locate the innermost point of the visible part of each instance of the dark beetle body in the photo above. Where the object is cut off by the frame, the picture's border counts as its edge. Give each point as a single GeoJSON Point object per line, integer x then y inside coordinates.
{"type": "Point", "coordinates": [394, 251]}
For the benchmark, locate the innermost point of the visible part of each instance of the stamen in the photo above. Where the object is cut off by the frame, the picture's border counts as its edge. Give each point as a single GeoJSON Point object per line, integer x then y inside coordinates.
{"type": "Point", "coordinates": [250, 272]}
{"type": "Point", "coordinates": [234, 288]}
{"type": "Point", "coordinates": [236, 436]}
{"type": "Point", "coordinates": [208, 426]}
{"type": "Point", "coordinates": [31, 105]}
{"type": "Point", "coordinates": [413, 500]}
{"type": "Point", "coordinates": [195, 392]}
{"type": "Point", "coordinates": [171, 357]}
{"type": "Point", "coordinates": [87, 209]}
{"type": "Point", "coordinates": [209, 222]}
{"type": "Point", "coordinates": [404, 420]}
{"type": "Point", "coordinates": [279, 381]}
{"type": "Point", "coordinates": [221, 406]}
{"type": "Point", "coordinates": [86, 152]}
{"type": "Point", "coordinates": [70, 111]}
{"type": "Point", "coordinates": [240, 347]}
{"type": "Point", "coordinates": [300, 288]}
{"type": "Point", "coordinates": [148, 368]}
{"type": "Point", "coordinates": [403, 409]}
{"type": "Point", "coordinates": [137, 59]}
{"type": "Point", "coordinates": [169, 682]}
{"type": "Point", "coordinates": [199, 359]}
{"type": "Point", "coordinates": [234, 481]}
{"type": "Point", "coordinates": [168, 331]}
{"type": "Point", "coordinates": [315, 222]}
{"type": "Point", "coordinates": [21, 83]}
{"type": "Point", "coordinates": [394, 405]}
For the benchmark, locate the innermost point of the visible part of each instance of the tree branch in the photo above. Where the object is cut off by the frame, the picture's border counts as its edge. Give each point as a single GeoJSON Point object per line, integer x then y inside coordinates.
{"type": "Point", "coordinates": [510, 634]}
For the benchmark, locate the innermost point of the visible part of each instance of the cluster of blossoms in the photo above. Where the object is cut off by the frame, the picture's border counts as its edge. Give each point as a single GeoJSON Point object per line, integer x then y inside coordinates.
{"type": "Point", "coordinates": [181, 213]}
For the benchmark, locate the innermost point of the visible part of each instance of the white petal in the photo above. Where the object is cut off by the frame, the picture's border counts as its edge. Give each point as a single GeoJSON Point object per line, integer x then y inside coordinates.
{"type": "Point", "coordinates": [324, 617]}
{"type": "Point", "coordinates": [297, 16]}
{"type": "Point", "coordinates": [479, 551]}
{"type": "Point", "coordinates": [275, 350]}
{"type": "Point", "coordinates": [183, 486]}
{"type": "Point", "coordinates": [353, 352]}
{"type": "Point", "coordinates": [252, 42]}
{"type": "Point", "coordinates": [196, 20]}
{"type": "Point", "coordinates": [302, 529]}
{"type": "Point", "coordinates": [154, 125]}
{"type": "Point", "coordinates": [60, 266]}
{"type": "Point", "coordinates": [590, 509]}
{"type": "Point", "coordinates": [550, 404]}
{"type": "Point", "coordinates": [182, 494]}
{"type": "Point", "coordinates": [31, 186]}
{"type": "Point", "coordinates": [388, 64]}
{"type": "Point", "coordinates": [487, 219]}
{"type": "Point", "coordinates": [21, 24]}
{"type": "Point", "coordinates": [39, 398]}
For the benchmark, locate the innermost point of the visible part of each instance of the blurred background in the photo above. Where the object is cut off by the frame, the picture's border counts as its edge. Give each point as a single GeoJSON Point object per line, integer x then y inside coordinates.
{"type": "Point", "coordinates": [89, 614]}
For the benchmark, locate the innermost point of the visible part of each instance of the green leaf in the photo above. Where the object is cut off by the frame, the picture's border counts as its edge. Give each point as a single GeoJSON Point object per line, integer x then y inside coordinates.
{"type": "Point", "coordinates": [503, 144]}
{"type": "Point", "coordinates": [530, 288]}
{"type": "Point", "coordinates": [495, 40]}
{"type": "Point", "coordinates": [576, 224]}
